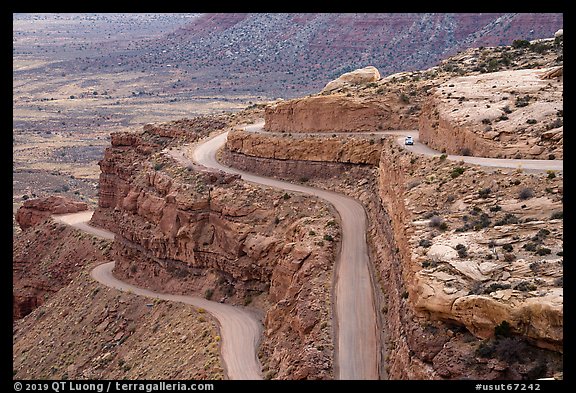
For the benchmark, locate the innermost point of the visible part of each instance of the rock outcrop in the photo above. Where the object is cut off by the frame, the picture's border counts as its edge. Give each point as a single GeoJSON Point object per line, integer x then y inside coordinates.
{"type": "Point", "coordinates": [183, 230]}
{"type": "Point", "coordinates": [495, 268]}
{"type": "Point", "coordinates": [507, 114]}
{"type": "Point", "coordinates": [338, 149]}
{"type": "Point", "coordinates": [353, 78]}
{"type": "Point", "coordinates": [339, 113]}
{"type": "Point", "coordinates": [35, 211]}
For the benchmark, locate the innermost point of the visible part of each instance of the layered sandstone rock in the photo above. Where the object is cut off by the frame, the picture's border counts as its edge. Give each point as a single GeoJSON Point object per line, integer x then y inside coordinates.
{"type": "Point", "coordinates": [35, 211]}
{"type": "Point", "coordinates": [507, 114]}
{"type": "Point", "coordinates": [495, 269]}
{"type": "Point", "coordinates": [183, 230]}
{"type": "Point", "coordinates": [342, 149]}
{"type": "Point", "coordinates": [338, 113]}
{"type": "Point", "coordinates": [357, 77]}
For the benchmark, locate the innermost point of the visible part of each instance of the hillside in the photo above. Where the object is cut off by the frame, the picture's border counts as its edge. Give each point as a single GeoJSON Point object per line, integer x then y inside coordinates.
{"type": "Point", "coordinates": [288, 55]}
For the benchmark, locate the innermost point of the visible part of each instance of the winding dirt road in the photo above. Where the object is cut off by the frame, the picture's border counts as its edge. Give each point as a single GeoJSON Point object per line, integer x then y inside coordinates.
{"type": "Point", "coordinates": [357, 345]}
{"type": "Point", "coordinates": [240, 330]}
{"type": "Point", "coordinates": [420, 148]}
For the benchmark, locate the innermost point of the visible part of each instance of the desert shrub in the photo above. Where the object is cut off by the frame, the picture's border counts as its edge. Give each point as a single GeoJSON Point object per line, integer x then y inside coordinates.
{"type": "Point", "coordinates": [525, 286]}
{"type": "Point", "coordinates": [475, 210]}
{"type": "Point", "coordinates": [510, 349]}
{"type": "Point", "coordinates": [507, 247]}
{"type": "Point", "coordinates": [438, 222]}
{"type": "Point", "coordinates": [482, 222]}
{"type": "Point", "coordinates": [531, 121]}
{"type": "Point", "coordinates": [509, 218]}
{"type": "Point", "coordinates": [429, 263]}
{"type": "Point", "coordinates": [495, 208]}
{"type": "Point", "coordinates": [462, 251]}
{"type": "Point", "coordinates": [557, 215]}
{"type": "Point", "coordinates": [209, 293]}
{"type": "Point", "coordinates": [328, 238]}
{"type": "Point", "coordinates": [404, 98]}
{"type": "Point", "coordinates": [425, 243]}
{"type": "Point", "coordinates": [286, 196]}
{"type": "Point", "coordinates": [477, 288]}
{"type": "Point", "coordinates": [495, 286]}
{"type": "Point", "coordinates": [516, 44]}
{"type": "Point", "coordinates": [543, 251]}
{"type": "Point", "coordinates": [522, 101]}
{"type": "Point", "coordinates": [509, 257]}
{"type": "Point", "coordinates": [525, 193]}
{"type": "Point", "coordinates": [457, 171]}
{"type": "Point", "coordinates": [465, 151]}
{"type": "Point", "coordinates": [485, 349]}
{"type": "Point", "coordinates": [483, 193]}
{"type": "Point", "coordinates": [538, 47]}
{"type": "Point", "coordinates": [503, 329]}
{"type": "Point", "coordinates": [551, 174]}
{"type": "Point", "coordinates": [541, 234]}
{"type": "Point", "coordinates": [443, 156]}
{"type": "Point", "coordinates": [529, 246]}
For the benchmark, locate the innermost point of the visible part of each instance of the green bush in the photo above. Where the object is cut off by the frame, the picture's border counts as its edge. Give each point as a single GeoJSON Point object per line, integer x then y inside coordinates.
{"type": "Point", "coordinates": [516, 44]}
{"type": "Point", "coordinates": [457, 171]}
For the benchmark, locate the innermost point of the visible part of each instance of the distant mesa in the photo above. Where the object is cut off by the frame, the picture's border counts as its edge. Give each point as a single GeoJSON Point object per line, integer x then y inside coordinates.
{"type": "Point", "coordinates": [357, 77]}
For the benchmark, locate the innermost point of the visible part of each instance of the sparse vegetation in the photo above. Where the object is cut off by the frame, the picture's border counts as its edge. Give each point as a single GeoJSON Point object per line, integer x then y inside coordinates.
{"type": "Point", "coordinates": [457, 171]}
{"type": "Point", "coordinates": [525, 193]}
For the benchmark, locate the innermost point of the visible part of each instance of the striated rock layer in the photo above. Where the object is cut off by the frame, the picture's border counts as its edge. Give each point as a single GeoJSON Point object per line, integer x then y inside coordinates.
{"type": "Point", "coordinates": [181, 230]}
{"type": "Point", "coordinates": [338, 113]}
{"type": "Point", "coordinates": [336, 149]}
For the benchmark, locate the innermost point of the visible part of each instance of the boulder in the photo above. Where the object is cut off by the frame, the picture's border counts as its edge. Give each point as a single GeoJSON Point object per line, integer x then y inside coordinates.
{"type": "Point", "coordinates": [357, 77]}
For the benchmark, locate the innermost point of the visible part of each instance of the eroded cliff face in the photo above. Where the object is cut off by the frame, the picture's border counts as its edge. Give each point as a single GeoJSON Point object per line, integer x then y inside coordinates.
{"type": "Point", "coordinates": [339, 112]}
{"type": "Point", "coordinates": [190, 231]}
{"type": "Point", "coordinates": [477, 255]}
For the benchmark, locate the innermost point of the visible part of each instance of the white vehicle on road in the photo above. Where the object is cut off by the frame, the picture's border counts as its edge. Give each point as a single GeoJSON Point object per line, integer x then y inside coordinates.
{"type": "Point", "coordinates": [408, 140]}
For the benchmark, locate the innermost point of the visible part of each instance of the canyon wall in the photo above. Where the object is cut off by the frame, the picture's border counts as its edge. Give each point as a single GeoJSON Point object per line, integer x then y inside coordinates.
{"type": "Point", "coordinates": [182, 230]}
